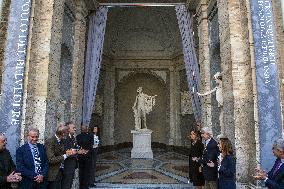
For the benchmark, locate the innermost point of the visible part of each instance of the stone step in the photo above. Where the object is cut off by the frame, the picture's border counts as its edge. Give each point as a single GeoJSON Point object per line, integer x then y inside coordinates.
{"type": "Point", "coordinates": [143, 186]}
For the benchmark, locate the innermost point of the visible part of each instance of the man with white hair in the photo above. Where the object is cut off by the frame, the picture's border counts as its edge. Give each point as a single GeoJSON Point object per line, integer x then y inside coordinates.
{"type": "Point", "coordinates": [274, 179]}
{"type": "Point", "coordinates": [209, 159]}
{"type": "Point", "coordinates": [7, 166]}
{"type": "Point", "coordinates": [32, 162]}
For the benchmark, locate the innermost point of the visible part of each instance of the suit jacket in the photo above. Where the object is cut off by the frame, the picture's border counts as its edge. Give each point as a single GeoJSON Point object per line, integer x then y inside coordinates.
{"type": "Point", "coordinates": [227, 173]}
{"type": "Point", "coordinates": [210, 153]}
{"type": "Point", "coordinates": [275, 181]}
{"type": "Point", "coordinates": [25, 164]}
{"type": "Point", "coordinates": [55, 152]}
{"type": "Point", "coordinates": [70, 163]}
{"type": "Point", "coordinates": [7, 166]}
{"type": "Point", "coordinates": [85, 141]}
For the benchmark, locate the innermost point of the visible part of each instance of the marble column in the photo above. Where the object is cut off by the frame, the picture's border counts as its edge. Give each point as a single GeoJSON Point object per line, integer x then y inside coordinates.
{"type": "Point", "coordinates": [175, 133]}
{"type": "Point", "coordinates": [203, 33]}
{"type": "Point", "coordinates": [108, 120]}
{"type": "Point", "coordinates": [226, 68]}
{"type": "Point", "coordinates": [4, 16]}
{"type": "Point", "coordinates": [234, 39]}
{"type": "Point", "coordinates": [44, 66]}
{"type": "Point", "coordinates": [78, 61]}
{"type": "Point", "coordinates": [282, 7]}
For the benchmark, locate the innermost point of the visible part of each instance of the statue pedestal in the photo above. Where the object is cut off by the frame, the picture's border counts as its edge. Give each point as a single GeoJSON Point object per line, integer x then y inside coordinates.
{"type": "Point", "coordinates": [142, 144]}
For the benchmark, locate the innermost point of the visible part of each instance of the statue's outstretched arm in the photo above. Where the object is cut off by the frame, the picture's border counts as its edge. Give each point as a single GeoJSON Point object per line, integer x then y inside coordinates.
{"type": "Point", "coordinates": [207, 93]}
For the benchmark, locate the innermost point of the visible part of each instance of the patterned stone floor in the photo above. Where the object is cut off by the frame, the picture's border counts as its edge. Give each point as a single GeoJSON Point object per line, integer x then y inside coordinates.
{"type": "Point", "coordinates": [117, 170]}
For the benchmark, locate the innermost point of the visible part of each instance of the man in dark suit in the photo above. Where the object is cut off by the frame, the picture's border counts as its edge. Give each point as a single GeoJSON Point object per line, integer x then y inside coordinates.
{"type": "Point", "coordinates": [209, 159]}
{"type": "Point", "coordinates": [56, 155]}
{"type": "Point", "coordinates": [70, 163]}
{"type": "Point", "coordinates": [86, 141]}
{"type": "Point", "coordinates": [274, 179]}
{"type": "Point", "coordinates": [31, 161]}
{"type": "Point", "coordinates": [7, 166]}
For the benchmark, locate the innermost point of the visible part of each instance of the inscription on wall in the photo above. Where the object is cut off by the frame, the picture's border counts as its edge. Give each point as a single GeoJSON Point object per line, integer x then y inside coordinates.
{"type": "Point", "coordinates": [14, 69]}
{"type": "Point", "coordinates": [269, 111]}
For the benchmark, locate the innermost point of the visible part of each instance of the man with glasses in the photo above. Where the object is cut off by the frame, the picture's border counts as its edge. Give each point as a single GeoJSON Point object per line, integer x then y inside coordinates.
{"type": "Point", "coordinates": [274, 179]}
{"type": "Point", "coordinates": [7, 166]}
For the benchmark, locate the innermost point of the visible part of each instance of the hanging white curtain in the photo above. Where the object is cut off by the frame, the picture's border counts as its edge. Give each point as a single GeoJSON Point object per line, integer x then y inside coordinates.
{"type": "Point", "coordinates": [185, 22]}
{"type": "Point", "coordinates": [95, 43]}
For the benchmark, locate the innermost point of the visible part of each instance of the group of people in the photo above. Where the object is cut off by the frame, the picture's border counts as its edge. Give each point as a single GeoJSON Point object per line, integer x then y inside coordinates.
{"type": "Point", "coordinates": [211, 164]}
{"type": "Point", "coordinates": [53, 164]}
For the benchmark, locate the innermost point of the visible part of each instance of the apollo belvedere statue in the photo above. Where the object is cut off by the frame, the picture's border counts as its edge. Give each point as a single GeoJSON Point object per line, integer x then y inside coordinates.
{"type": "Point", "coordinates": [142, 106]}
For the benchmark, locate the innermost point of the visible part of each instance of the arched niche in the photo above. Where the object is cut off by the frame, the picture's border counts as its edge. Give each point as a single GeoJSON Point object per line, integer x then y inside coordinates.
{"type": "Point", "coordinates": [126, 92]}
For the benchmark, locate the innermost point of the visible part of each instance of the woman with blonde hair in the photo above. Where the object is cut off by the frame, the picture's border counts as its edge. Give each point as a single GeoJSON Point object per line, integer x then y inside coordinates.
{"type": "Point", "coordinates": [227, 165]}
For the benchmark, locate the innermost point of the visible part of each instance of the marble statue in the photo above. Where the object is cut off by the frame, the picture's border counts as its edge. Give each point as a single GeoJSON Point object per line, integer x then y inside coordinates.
{"type": "Point", "coordinates": [143, 105]}
{"type": "Point", "coordinates": [219, 97]}
{"type": "Point", "coordinates": [218, 89]}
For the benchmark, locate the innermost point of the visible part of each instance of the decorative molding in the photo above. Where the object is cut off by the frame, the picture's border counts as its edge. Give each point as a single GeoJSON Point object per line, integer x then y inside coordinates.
{"type": "Point", "coordinates": [123, 74]}
{"type": "Point", "coordinates": [161, 74]}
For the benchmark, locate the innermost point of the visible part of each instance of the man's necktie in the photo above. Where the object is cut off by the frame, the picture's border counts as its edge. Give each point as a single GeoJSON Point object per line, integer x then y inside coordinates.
{"type": "Point", "coordinates": [277, 166]}
{"type": "Point", "coordinates": [37, 160]}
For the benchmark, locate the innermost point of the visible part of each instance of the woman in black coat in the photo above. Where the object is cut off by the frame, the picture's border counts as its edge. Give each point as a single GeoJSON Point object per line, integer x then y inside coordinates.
{"type": "Point", "coordinates": [196, 151]}
{"type": "Point", "coordinates": [227, 166]}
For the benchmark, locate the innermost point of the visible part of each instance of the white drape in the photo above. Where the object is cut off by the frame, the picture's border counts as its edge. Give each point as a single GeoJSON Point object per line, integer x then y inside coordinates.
{"type": "Point", "coordinates": [192, 70]}
{"type": "Point", "coordinates": [95, 43]}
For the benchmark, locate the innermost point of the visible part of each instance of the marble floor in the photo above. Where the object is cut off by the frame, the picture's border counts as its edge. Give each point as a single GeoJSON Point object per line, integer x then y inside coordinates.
{"type": "Point", "coordinates": [117, 170]}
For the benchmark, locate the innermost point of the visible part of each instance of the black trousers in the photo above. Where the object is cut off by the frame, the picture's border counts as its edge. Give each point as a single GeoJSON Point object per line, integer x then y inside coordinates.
{"type": "Point", "coordinates": [57, 183]}
{"type": "Point", "coordinates": [94, 162]}
{"type": "Point", "coordinates": [85, 172]}
{"type": "Point", "coordinates": [70, 165]}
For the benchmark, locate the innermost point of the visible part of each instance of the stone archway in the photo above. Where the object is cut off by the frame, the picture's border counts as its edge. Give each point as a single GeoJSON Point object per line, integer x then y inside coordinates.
{"type": "Point", "coordinates": [157, 120]}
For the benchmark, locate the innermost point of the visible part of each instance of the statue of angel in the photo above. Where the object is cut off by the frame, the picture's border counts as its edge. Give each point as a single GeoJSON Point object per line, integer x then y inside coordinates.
{"type": "Point", "coordinates": [143, 105]}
